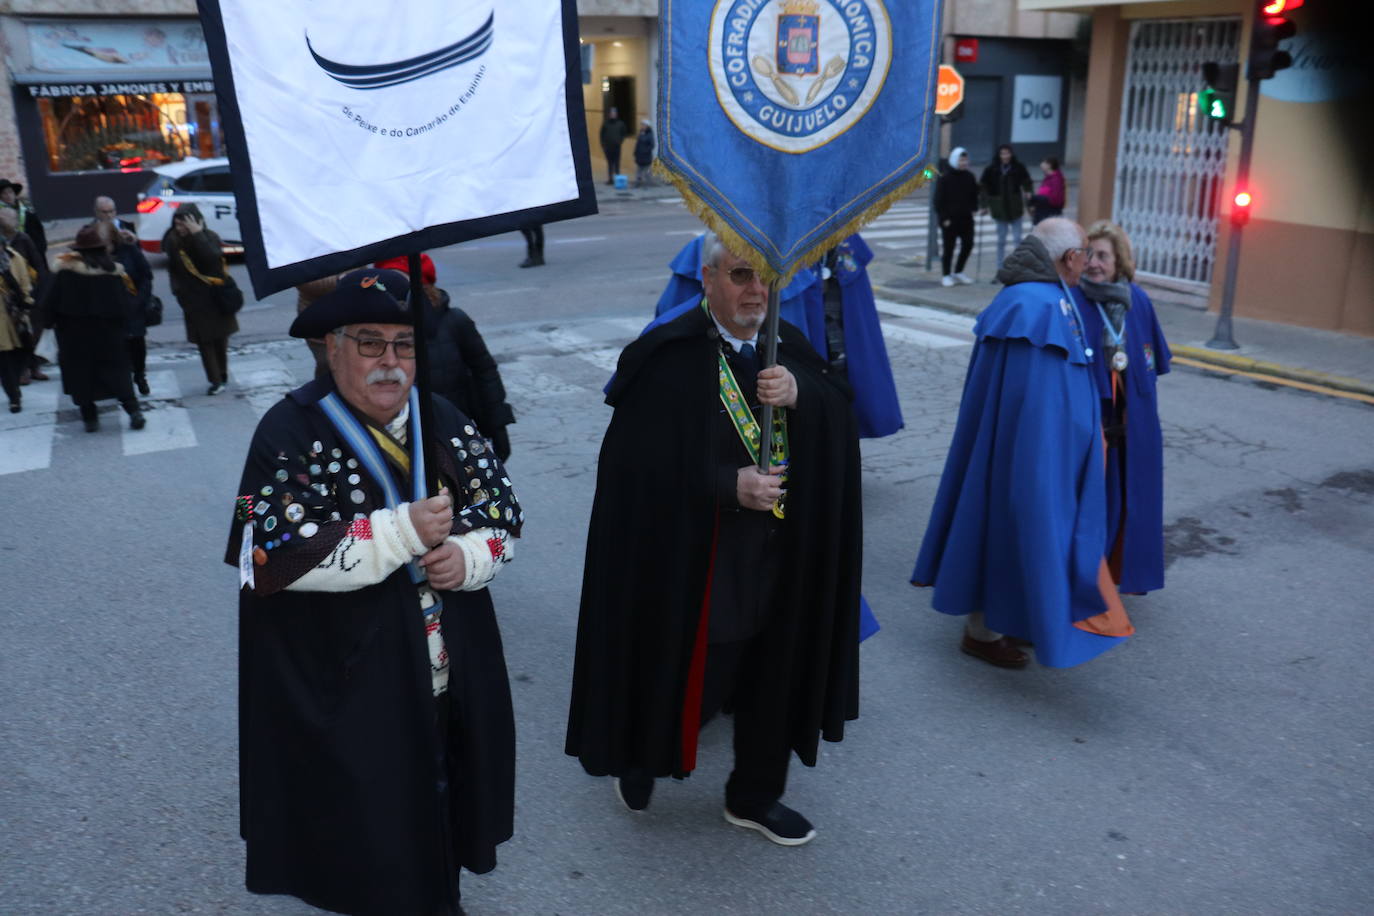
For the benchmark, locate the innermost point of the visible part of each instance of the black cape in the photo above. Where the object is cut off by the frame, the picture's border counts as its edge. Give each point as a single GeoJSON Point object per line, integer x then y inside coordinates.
{"type": "Point", "coordinates": [337, 752]}
{"type": "Point", "coordinates": [640, 643]}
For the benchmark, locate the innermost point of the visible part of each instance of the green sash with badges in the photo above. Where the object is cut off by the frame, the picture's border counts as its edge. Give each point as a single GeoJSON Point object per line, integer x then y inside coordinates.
{"type": "Point", "coordinates": [748, 428]}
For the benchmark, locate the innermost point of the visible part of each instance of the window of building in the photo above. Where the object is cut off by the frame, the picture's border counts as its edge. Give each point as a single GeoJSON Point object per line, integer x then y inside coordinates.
{"type": "Point", "coordinates": [127, 132]}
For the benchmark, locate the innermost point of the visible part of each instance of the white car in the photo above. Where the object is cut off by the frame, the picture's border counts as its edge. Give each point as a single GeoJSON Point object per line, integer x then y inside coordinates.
{"type": "Point", "coordinates": [203, 182]}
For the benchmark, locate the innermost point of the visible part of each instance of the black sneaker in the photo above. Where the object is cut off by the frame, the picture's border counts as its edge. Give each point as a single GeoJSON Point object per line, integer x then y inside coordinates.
{"type": "Point", "coordinates": [137, 420]}
{"type": "Point", "coordinates": [142, 382]}
{"type": "Point", "coordinates": [778, 822]}
{"type": "Point", "coordinates": [634, 790]}
{"type": "Point", "coordinates": [216, 388]}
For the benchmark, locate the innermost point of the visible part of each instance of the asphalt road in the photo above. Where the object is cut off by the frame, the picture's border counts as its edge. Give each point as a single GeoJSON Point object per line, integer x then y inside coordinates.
{"type": "Point", "coordinates": [1218, 762]}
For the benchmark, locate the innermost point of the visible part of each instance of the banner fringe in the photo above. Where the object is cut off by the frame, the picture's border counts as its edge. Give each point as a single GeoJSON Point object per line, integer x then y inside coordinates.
{"type": "Point", "coordinates": [737, 243]}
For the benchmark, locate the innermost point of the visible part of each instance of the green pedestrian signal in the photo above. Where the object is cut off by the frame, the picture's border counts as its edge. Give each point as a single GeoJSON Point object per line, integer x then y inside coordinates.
{"type": "Point", "coordinates": [1217, 100]}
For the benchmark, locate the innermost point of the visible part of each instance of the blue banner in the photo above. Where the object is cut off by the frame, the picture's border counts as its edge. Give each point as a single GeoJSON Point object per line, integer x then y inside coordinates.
{"type": "Point", "coordinates": [788, 124]}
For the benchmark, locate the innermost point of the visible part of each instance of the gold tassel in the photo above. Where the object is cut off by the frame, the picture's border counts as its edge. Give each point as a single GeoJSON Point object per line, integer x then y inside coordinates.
{"type": "Point", "coordinates": [738, 244]}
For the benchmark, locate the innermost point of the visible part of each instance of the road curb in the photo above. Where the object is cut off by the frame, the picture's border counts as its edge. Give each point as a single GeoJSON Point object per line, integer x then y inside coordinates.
{"type": "Point", "coordinates": [1232, 361]}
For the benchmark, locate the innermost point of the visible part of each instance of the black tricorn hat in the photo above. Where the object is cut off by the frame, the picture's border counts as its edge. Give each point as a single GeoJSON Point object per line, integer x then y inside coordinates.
{"type": "Point", "coordinates": [6, 183]}
{"type": "Point", "coordinates": [368, 296]}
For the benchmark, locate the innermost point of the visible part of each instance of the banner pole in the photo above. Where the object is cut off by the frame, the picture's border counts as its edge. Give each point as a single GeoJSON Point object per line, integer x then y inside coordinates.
{"type": "Point", "coordinates": [418, 303]}
{"type": "Point", "coordinates": [770, 359]}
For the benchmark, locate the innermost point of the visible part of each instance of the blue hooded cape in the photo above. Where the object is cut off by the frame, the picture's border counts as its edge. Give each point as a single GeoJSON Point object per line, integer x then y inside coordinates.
{"type": "Point", "coordinates": [1135, 480]}
{"type": "Point", "coordinates": [802, 303]}
{"type": "Point", "coordinates": [1020, 519]}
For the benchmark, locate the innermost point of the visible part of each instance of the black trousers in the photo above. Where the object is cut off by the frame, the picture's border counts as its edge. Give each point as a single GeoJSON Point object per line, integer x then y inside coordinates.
{"type": "Point", "coordinates": [960, 228]}
{"type": "Point", "coordinates": [138, 355]}
{"type": "Point", "coordinates": [12, 365]}
{"type": "Point", "coordinates": [534, 240]}
{"type": "Point", "coordinates": [214, 356]}
{"type": "Point", "coordinates": [737, 677]}
{"type": "Point", "coordinates": [612, 163]}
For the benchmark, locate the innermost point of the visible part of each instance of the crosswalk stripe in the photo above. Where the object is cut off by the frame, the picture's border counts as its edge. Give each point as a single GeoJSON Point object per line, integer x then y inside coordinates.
{"type": "Point", "coordinates": [583, 347]}
{"type": "Point", "coordinates": [527, 385]}
{"type": "Point", "coordinates": [921, 338]}
{"type": "Point", "coordinates": [26, 438]}
{"type": "Point", "coordinates": [264, 379]}
{"type": "Point", "coordinates": [169, 426]}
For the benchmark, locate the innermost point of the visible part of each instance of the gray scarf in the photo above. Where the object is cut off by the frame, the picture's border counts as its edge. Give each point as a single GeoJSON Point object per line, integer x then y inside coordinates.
{"type": "Point", "coordinates": [1115, 298]}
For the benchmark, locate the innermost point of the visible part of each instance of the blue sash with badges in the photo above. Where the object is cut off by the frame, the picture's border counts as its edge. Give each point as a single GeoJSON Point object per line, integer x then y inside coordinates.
{"type": "Point", "coordinates": [361, 443]}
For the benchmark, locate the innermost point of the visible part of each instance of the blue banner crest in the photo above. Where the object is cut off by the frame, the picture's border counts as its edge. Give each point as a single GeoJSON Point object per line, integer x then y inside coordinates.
{"type": "Point", "coordinates": [788, 124]}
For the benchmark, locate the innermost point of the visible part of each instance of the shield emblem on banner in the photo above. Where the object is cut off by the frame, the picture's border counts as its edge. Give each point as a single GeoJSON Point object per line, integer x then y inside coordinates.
{"type": "Point", "coordinates": [799, 44]}
{"type": "Point", "coordinates": [802, 121]}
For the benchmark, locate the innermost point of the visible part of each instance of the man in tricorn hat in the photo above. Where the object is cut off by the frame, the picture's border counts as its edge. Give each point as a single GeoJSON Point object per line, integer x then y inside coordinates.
{"type": "Point", "coordinates": [376, 732]}
{"type": "Point", "coordinates": [710, 585]}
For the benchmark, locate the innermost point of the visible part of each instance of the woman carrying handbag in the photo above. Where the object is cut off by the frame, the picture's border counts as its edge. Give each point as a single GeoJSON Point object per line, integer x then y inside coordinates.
{"type": "Point", "coordinates": [203, 288]}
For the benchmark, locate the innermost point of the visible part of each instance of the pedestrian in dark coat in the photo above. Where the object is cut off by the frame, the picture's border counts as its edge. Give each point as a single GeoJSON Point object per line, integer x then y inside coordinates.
{"type": "Point", "coordinates": [16, 323]}
{"type": "Point", "coordinates": [461, 368]}
{"type": "Point", "coordinates": [956, 201]}
{"type": "Point", "coordinates": [1005, 185]}
{"type": "Point", "coordinates": [534, 245]}
{"type": "Point", "coordinates": [29, 222]}
{"type": "Point", "coordinates": [40, 275]}
{"type": "Point", "coordinates": [644, 153]}
{"type": "Point", "coordinates": [88, 305]}
{"type": "Point", "coordinates": [613, 131]}
{"type": "Point", "coordinates": [126, 251]}
{"type": "Point", "coordinates": [194, 254]}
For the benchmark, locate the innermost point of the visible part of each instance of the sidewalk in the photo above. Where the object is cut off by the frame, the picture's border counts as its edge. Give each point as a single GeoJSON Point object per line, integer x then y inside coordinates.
{"type": "Point", "coordinates": [1298, 356]}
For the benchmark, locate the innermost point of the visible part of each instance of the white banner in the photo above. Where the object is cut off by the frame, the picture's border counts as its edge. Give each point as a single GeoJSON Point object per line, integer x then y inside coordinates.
{"type": "Point", "coordinates": [368, 120]}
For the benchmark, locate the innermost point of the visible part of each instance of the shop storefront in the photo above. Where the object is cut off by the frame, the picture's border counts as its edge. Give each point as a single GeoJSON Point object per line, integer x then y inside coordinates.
{"type": "Point", "coordinates": [97, 102]}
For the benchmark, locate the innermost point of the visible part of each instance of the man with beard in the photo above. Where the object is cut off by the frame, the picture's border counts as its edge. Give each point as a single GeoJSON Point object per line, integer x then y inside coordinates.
{"type": "Point", "coordinates": [708, 584]}
{"type": "Point", "coordinates": [376, 736]}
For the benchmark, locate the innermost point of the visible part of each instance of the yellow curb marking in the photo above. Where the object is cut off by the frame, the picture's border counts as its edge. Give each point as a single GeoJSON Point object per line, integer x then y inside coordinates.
{"type": "Point", "coordinates": [1274, 379]}
{"type": "Point", "coordinates": [1250, 364]}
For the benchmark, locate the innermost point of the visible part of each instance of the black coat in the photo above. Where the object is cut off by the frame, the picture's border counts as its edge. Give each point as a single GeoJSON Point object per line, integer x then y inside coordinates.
{"type": "Point", "coordinates": [1003, 192]}
{"type": "Point", "coordinates": [89, 308]}
{"type": "Point", "coordinates": [644, 147]}
{"type": "Point", "coordinates": [337, 753]}
{"type": "Point", "coordinates": [639, 635]}
{"type": "Point", "coordinates": [463, 370]}
{"type": "Point", "coordinates": [956, 195]}
{"type": "Point", "coordinates": [135, 265]}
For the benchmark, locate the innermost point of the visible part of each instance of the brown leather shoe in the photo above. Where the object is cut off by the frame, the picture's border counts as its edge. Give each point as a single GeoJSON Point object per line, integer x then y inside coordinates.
{"type": "Point", "coordinates": [1000, 653]}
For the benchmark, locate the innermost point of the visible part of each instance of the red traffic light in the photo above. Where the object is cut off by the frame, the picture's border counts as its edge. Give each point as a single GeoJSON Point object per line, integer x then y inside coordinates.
{"type": "Point", "coordinates": [1279, 7]}
{"type": "Point", "coordinates": [1240, 210]}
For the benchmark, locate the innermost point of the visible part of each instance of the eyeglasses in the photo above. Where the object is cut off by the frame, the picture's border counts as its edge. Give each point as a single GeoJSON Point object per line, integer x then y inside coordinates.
{"type": "Point", "coordinates": [742, 276]}
{"type": "Point", "coordinates": [1094, 254]}
{"type": "Point", "coordinates": [373, 347]}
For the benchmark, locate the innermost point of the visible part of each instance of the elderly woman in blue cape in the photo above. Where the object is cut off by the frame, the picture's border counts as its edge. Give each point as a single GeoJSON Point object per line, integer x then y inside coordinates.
{"type": "Point", "coordinates": [1120, 317]}
{"type": "Point", "coordinates": [832, 303]}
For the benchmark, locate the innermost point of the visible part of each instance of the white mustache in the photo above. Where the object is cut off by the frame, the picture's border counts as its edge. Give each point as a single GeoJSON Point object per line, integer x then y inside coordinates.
{"type": "Point", "coordinates": [379, 375]}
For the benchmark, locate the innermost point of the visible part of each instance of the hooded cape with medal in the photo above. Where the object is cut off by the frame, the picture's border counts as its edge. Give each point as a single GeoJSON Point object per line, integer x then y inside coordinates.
{"type": "Point", "coordinates": [641, 634]}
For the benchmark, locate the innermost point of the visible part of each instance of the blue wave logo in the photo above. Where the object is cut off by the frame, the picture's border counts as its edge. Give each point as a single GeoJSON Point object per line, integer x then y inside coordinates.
{"type": "Point", "coordinates": [395, 73]}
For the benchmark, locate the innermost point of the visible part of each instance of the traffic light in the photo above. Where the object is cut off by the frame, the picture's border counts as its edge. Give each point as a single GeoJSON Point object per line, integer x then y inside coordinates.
{"type": "Point", "coordinates": [1271, 27]}
{"type": "Point", "coordinates": [1218, 99]}
{"type": "Point", "coordinates": [1240, 208]}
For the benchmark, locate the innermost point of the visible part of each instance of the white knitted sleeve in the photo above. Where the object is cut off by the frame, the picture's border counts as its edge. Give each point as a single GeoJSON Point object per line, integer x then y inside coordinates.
{"type": "Point", "coordinates": [373, 549]}
{"type": "Point", "coordinates": [485, 551]}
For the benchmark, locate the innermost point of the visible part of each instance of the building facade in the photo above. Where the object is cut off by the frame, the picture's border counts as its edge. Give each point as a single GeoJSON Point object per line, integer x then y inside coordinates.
{"type": "Point", "coordinates": [1168, 174]}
